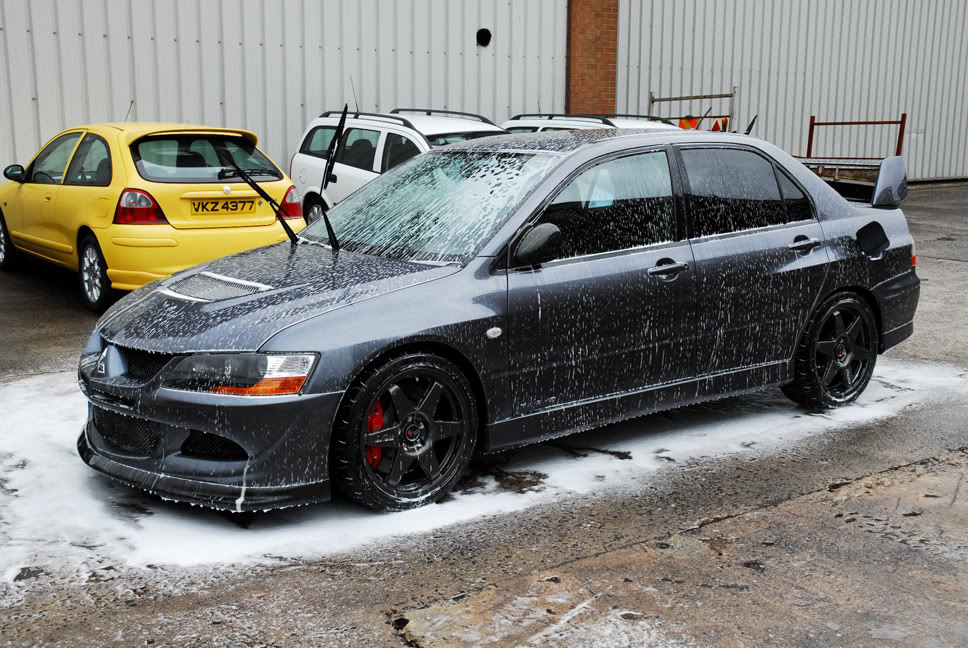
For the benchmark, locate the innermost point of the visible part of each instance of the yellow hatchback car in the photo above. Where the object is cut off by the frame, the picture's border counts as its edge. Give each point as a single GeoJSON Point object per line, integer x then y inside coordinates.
{"type": "Point", "coordinates": [125, 204]}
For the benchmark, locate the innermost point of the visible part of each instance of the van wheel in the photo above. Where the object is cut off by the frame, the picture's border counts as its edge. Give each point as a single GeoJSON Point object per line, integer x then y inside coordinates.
{"type": "Point", "coordinates": [8, 255]}
{"type": "Point", "coordinates": [405, 434]}
{"type": "Point", "coordinates": [836, 357]}
{"type": "Point", "coordinates": [93, 275]}
{"type": "Point", "coordinates": [314, 209]}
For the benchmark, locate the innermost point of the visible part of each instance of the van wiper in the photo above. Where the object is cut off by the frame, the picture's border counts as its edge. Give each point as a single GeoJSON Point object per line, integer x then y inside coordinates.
{"type": "Point", "coordinates": [257, 171]}
{"type": "Point", "coordinates": [331, 151]}
{"type": "Point", "coordinates": [259, 190]}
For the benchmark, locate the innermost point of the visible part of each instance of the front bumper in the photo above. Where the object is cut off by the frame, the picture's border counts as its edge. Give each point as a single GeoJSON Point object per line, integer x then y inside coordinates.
{"type": "Point", "coordinates": [278, 446]}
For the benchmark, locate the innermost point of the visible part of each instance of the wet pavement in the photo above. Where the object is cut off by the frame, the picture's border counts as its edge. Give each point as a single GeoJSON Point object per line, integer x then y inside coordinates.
{"type": "Point", "coordinates": [856, 535]}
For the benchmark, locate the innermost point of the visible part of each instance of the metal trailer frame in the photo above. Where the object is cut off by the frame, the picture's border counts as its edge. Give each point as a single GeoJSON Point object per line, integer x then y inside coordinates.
{"type": "Point", "coordinates": [731, 95]}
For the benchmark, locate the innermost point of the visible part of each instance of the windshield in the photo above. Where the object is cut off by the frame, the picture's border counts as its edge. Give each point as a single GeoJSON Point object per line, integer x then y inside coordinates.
{"type": "Point", "coordinates": [200, 158]}
{"type": "Point", "coordinates": [437, 207]}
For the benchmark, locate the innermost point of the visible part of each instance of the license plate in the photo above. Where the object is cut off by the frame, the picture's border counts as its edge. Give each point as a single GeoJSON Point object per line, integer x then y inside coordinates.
{"type": "Point", "coordinates": [223, 207]}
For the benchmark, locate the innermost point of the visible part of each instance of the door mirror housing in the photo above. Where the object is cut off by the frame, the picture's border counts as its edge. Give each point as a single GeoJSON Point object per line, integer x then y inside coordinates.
{"type": "Point", "coordinates": [15, 172]}
{"type": "Point", "coordinates": [540, 244]}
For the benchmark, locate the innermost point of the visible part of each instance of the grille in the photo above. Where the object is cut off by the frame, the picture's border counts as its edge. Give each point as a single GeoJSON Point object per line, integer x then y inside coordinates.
{"type": "Point", "coordinates": [144, 365]}
{"type": "Point", "coordinates": [134, 435]}
{"type": "Point", "coordinates": [212, 446]}
{"type": "Point", "coordinates": [213, 287]}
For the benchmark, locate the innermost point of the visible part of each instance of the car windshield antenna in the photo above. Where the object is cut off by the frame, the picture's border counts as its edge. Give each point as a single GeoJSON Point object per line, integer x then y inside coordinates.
{"type": "Point", "coordinates": [259, 190]}
{"type": "Point", "coordinates": [749, 129]}
{"type": "Point", "coordinates": [332, 150]}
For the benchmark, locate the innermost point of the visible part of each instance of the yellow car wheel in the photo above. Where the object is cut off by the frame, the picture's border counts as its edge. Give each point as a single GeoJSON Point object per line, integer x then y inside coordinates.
{"type": "Point", "coordinates": [93, 275]}
{"type": "Point", "coordinates": [7, 253]}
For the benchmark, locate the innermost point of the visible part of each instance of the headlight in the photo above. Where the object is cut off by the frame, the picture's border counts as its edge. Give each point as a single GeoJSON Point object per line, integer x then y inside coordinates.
{"type": "Point", "coordinates": [242, 374]}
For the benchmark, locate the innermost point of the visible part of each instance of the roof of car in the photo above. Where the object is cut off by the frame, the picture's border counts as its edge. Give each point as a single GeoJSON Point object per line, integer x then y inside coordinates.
{"type": "Point", "coordinates": [567, 142]}
{"type": "Point", "coordinates": [427, 124]}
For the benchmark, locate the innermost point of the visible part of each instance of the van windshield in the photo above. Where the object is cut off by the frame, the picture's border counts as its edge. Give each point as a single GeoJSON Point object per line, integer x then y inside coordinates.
{"type": "Point", "coordinates": [437, 207]}
{"type": "Point", "coordinates": [200, 158]}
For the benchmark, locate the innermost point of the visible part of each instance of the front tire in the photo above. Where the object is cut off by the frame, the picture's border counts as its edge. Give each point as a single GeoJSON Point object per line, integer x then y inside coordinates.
{"type": "Point", "coordinates": [405, 434]}
{"type": "Point", "coordinates": [836, 357]}
{"type": "Point", "coordinates": [7, 252]}
{"type": "Point", "coordinates": [92, 273]}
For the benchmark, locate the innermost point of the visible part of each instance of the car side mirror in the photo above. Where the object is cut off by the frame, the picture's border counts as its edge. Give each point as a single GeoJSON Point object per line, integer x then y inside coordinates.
{"type": "Point", "coordinates": [542, 243]}
{"type": "Point", "coordinates": [15, 172]}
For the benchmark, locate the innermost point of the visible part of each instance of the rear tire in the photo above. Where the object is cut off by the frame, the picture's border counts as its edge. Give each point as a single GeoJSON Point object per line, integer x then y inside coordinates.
{"type": "Point", "coordinates": [836, 357]}
{"type": "Point", "coordinates": [92, 272]}
{"type": "Point", "coordinates": [405, 433]}
{"type": "Point", "coordinates": [8, 255]}
{"type": "Point", "coordinates": [314, 209]}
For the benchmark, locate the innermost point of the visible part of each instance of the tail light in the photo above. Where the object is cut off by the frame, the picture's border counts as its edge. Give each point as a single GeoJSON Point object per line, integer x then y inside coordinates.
{"type": "Point", "coordinates": [137, 207]}
{"type": "Point", "coordinates": [291, 207]}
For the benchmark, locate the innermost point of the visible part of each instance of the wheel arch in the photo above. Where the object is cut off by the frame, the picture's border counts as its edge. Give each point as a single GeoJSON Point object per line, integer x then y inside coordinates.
{"type": "Point", "coordinates": [82, 233]}
{"type": "Point", "coordinates": [433, 347]}
{"type": "Point", "coordinates": [316, 194]}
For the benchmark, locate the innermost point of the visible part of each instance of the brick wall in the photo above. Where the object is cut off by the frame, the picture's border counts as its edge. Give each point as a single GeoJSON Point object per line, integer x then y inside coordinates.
{"type": "Point", "coordinates": [592, 55]}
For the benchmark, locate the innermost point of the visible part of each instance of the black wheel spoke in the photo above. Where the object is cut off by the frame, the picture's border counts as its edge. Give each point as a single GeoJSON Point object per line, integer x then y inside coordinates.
{"type": "Point", "coordinates": [827, 348]}
{"type": "Point", "coordinates": [401, 464]}
{"type": "Point", "coordinates": [428, 461]}
{"type": "Point", "coordinates": [830, 373]}
{"type": "Point", "coordinates": [860, 353]}
{"type": "Point", "coordinates": [848, 375]}
{"type": "Point", "coordinates": [430, 400]}
{"type": "Point", "coordinates": [400, 402]}
{"type": "Point", "coordinates": [385, 438]}
{"type": "Point", "coordinates": [445, 429]}
{"type": "Point", "coordinates": [854, 329]}
{"type": "Point", "coordinates": [839, 328]}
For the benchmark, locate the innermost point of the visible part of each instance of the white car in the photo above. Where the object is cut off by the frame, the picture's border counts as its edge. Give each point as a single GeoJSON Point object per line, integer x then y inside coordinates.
{"type": "Point", "coordinates": [541, 122]}
{"type": "Point", "coordinates": [372, 144]}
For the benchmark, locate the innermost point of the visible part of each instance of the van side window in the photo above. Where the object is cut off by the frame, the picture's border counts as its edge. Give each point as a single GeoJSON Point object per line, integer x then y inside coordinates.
{"type": "Point", "coordinates": [359, 148]}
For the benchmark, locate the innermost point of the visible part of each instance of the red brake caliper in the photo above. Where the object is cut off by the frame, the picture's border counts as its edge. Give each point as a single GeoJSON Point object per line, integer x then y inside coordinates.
{"type": "Point", "coordinates": [374, 423]}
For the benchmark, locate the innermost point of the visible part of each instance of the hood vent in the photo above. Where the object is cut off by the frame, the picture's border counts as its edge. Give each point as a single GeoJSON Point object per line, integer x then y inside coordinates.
{"type": "Point", "coordinates": [208, 286]}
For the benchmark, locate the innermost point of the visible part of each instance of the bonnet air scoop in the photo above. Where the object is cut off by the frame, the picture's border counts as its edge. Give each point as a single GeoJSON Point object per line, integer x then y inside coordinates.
{"type": "Point", "coordinates": [209, 286]}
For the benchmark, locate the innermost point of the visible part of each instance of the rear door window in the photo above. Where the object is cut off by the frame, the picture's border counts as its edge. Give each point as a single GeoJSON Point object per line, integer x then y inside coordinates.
{"type": "Point", "coordinates": [200, 158]}
{"type": "Point", "coordinates": [359, 148]}
{"type": "Point", "coordinates": [798, 206]}
{"type": "Point", "coordinates": [617, 205]}
{"type": "Point", "coordinates": [317, 141]}
{"type": "Point", "coordinates": [731, 190]}
{"type": "Point", "coordinates": [397, 149]}
{"type": "Point", "coordinates": [91, 164]}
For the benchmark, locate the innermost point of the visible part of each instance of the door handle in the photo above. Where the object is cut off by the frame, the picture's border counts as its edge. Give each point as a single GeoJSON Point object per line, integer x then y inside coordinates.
{"type": "Point", "coordinates": [332, 178]}
{"type": "Point", "coordinates": [48, 196]}
{"type": "Point", "coordinates": [667, 267]}
{"type": "Point", "coordinates": [803, 244]}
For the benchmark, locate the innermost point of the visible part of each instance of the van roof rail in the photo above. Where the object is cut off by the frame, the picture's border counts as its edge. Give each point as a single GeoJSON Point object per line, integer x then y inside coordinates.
{"type": "Point", "coordinates": [599, 118]}
{"type": "Point", "coordinates": [434, 111]}
{"type": "Point", "coordinates": [646, 117]}
{"type": "Point", "coordinates": [394, 118]}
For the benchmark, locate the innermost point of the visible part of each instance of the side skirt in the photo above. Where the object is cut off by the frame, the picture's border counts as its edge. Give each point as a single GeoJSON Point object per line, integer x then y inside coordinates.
{"type": "Point", "coordinates": [586, 415]}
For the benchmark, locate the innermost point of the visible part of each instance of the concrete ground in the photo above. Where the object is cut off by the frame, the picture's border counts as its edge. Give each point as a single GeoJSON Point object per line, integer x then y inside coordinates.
{"type": "Point", "coordinates": [858, 537]}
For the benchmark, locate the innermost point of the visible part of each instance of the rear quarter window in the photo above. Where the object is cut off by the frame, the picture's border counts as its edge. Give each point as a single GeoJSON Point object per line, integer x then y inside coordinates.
{"type": "Point", "coordinates": [200, 158]}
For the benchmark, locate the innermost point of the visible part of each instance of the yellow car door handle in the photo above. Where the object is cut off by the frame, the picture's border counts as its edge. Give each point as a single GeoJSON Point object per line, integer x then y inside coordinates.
{"type": "Point", "coordinates": [48, 196]}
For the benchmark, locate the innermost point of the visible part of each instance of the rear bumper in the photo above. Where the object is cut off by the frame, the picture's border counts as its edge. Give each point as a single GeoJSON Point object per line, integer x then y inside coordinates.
{"type": "Point", "coordinates": [897, 301]}
{"type": "Point", "coordinates": [139, 254]}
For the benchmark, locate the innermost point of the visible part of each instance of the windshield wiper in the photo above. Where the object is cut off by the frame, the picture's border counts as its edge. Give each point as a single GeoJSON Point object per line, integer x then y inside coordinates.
{"type": "Point", "coordinates": [257, 171]}
{"type": "Point", "coordinates": [259, 190]}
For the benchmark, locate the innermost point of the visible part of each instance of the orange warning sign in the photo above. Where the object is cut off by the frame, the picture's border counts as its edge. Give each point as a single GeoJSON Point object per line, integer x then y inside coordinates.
{"type": "Point", "coordinates": [688, 122]}
{"type": "Point", "coordinates": [720, 124]}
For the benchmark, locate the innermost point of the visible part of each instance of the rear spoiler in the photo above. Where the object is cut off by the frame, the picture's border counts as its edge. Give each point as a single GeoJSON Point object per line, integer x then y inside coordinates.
{"type": "Point", "coordinates": [891, 186]}
{"type": "Point", "coordinates": [884, 185]}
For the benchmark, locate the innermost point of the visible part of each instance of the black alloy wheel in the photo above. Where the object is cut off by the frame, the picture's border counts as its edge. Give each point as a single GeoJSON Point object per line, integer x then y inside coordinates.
{"type": "Point", "coordinates": [409, 431]}
{"type": "Point", "coordinates": [836, 358]}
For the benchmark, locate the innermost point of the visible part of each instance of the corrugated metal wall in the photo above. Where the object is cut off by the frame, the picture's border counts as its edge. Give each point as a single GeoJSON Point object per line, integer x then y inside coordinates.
{"type": "Point", "coordinates": [268, 65]}
{"type": "Point", "coordinates": [837, 59]}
